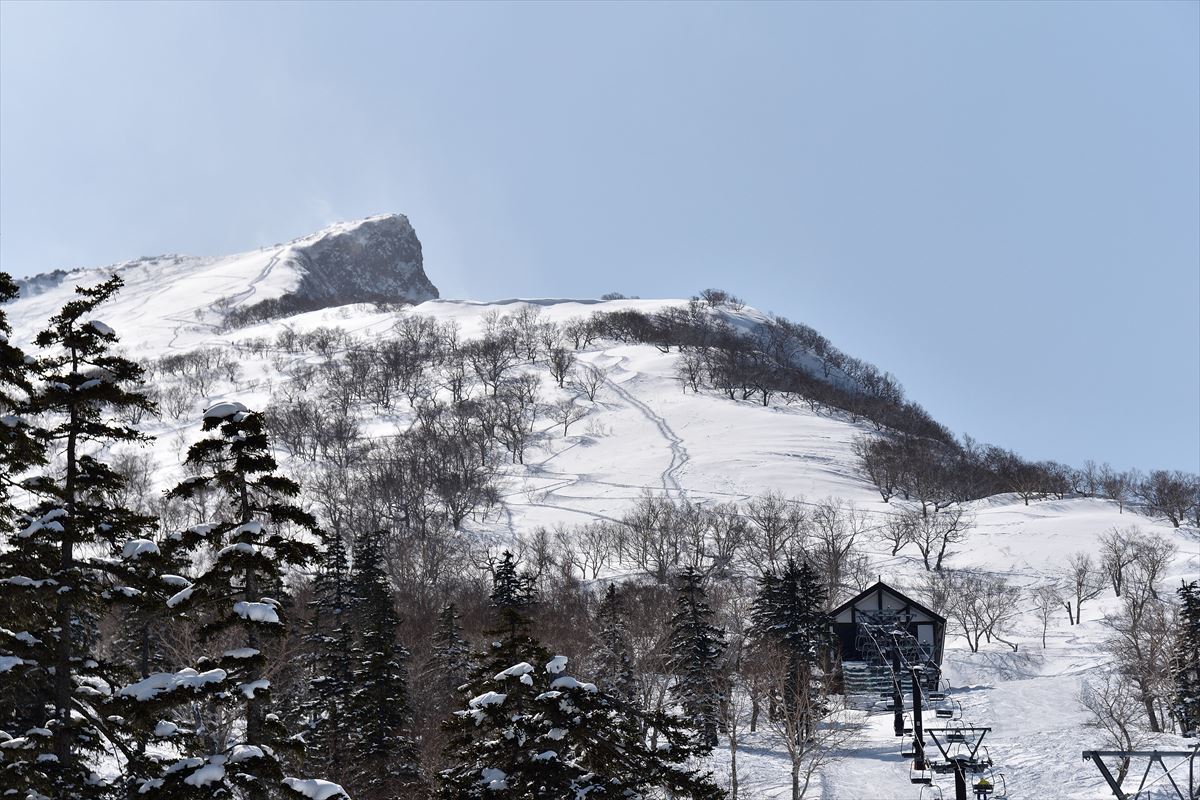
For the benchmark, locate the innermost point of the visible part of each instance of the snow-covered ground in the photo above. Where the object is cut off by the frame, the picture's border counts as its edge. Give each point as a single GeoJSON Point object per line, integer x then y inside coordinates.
{"type": "Point", "coordinates": [644, 432]}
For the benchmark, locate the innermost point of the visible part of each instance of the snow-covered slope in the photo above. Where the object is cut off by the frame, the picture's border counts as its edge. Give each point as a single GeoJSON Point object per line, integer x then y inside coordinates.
{"type": "Point", "coordinates": [644, 432]}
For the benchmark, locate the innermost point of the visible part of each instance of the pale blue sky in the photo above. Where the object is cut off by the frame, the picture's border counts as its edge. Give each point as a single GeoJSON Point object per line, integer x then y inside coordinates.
{"type": "Point", "coordinates": [999, 203]}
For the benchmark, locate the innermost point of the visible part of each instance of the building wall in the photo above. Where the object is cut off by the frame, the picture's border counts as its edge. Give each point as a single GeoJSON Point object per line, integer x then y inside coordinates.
{"type": "Point", "coordinates": [845, 627]}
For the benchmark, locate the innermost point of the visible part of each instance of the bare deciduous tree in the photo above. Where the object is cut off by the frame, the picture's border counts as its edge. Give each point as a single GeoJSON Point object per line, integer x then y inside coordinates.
{"type": "Point", "coordinates": [726, 536]}
{"type": "Point", "coordinates": [588, 548]}
{"type": "Point", "coordinates": [1082, 581]}
{"type": "Point", "coordinates": [517, 409]}
{"type": "Point", "coordinates": [1116, 486]}
{"type": "Point", "coordinates": [689, 370]}
{"type": "Point", "coordinates": [659, 535]}
{"type": "Point", "coordinates": [1088, 478]}
{"type": "Point", "coordinates": [176, 400]}
{"type": "Point", "coordinates": [648, 540]}
{"type": "Point", "coordinates": [565, 412]}
{"type": "Point", "coordinates": [582, 331]}
{"type": "Point", "coordinates": [1152, 554]}
{"type": "Point", "coordinates": [549, 336]}
{"type": "Point", "coordinates": [1170, 494]}
{"type": "Point", "coordinates": [525, 324]}
{"type": "Point", "coordinates": [932, 533]}
{"type": "Point", "coordinates": [1118, 549]}
{"type": "Point", "coordinates": [491, 357]}
{"type": "Point", "coordinates": [561, 361]}
{"type": "Point", "coordinates": [537, 551]}
{"type": "Point", "coordinates": [1046, 599]}
{"type": "Point", "coordinates": [587, 379]}
{"type": "Point", "coordinates": [938, 590]}
{"type": "Point", "coordinates": [836, 527]}
{"type": "Point", "coordinates": [879, 460]}
{"type": "Point", "coordinates": [895, 533]}
{"type": "Point", "coordinates": [1141, 641]}
{"type": "Point", "coordinates": [1110, 699]}
{"type": "Point", "coordinates": [815, 728]}
{"type": "Point", "coordinates": [982, 606]}
{"type": "Point", "coordinates": [777, 527]}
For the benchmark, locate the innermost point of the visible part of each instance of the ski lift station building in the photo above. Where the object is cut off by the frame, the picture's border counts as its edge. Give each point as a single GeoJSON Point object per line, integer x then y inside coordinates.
{"type": "Point", "coordinates": [858, 622]}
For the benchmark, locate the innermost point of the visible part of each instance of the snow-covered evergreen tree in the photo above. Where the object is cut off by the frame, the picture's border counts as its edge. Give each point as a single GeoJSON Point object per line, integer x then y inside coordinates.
{"type": "Point", "coordinates": [789, 611]}
{"type": "Point", "coordinates": [696, 649]}
{"type": "Point", "coordinates": [330, 664]}
{"type": "Point", "coordinates": [512, 596]}
{"type": "Point", "coordinates": [613, 661]}
{"type": "Point", "coordinates": [248, 550]}
{"type": "Point", "coordinates": [384, 753]}
{"type": "Point", "coordinates": [533, 731]}
{"type": "Point", "coordinates": [788, 615]}
{"type": "Point", "coordinates": [20, 446]}
{"type": "Point", "coordinates": [26, 591]}
{"type": "Point", "coordinates": [450, 656]}
{"type": "Point", "coordinates": [56, 576]}
{"type": "Point", "coordinates": [147, 574]}
{"type": "Point", "coordinates": [1186, 662]}
{"type": "Point", "coordinates": [24, 683]}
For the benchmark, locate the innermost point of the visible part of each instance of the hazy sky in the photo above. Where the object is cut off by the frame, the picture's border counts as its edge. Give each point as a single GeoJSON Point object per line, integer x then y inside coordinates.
{"type": "Point", "coordinates": [999, 203]}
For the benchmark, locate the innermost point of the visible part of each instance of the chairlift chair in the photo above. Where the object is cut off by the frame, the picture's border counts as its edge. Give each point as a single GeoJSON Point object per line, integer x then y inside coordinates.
{"type": "Point", "coordinates": [981, 760]}
{"type": "Point", "coordinates": [921, 777]}
{"type": "Point", "coordinates": [991, 785]}
{"type": "Point", "coordinates": [956, 735]}
{"type": "Point", "coordinates": [975, 767]}
{"type": "Point", "coordinates": [983, 787]}
{"type": "Point", "coordinates": [908, 747]}
{"type": "Point", "coordinates": [947, 710]}
{"type": "Point", "coordinates": [931, 791]}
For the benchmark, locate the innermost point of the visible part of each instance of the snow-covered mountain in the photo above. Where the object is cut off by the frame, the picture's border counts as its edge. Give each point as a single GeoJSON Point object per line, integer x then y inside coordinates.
{"type": "Point", "coordinates": [174, 299]}
{"type": "Point", "coordinates": [643, 432]}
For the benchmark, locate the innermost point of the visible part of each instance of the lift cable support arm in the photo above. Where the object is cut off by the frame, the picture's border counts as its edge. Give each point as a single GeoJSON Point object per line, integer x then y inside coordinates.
{"type": "Point", "coordinates": [1154, 756]}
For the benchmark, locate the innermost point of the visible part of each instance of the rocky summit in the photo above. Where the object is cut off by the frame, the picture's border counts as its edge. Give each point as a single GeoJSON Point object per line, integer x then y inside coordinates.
{"type": "Point", "coordinates": [374, 260]}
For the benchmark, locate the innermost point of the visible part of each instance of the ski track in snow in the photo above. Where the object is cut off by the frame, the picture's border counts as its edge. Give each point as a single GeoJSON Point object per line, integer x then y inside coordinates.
{"type": "Point", "coordinates": [237, 300]}
{"type": "Point", "coordinates": [679, 453]}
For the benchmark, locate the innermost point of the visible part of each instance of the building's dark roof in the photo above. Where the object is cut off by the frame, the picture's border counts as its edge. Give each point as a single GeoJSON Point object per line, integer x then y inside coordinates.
{"type": "Point", "coordinates": [897, 593]}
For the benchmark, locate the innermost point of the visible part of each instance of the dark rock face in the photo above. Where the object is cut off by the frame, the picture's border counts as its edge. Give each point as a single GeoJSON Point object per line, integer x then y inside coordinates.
{"type": "Point", "coordinates": [376, 260]}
